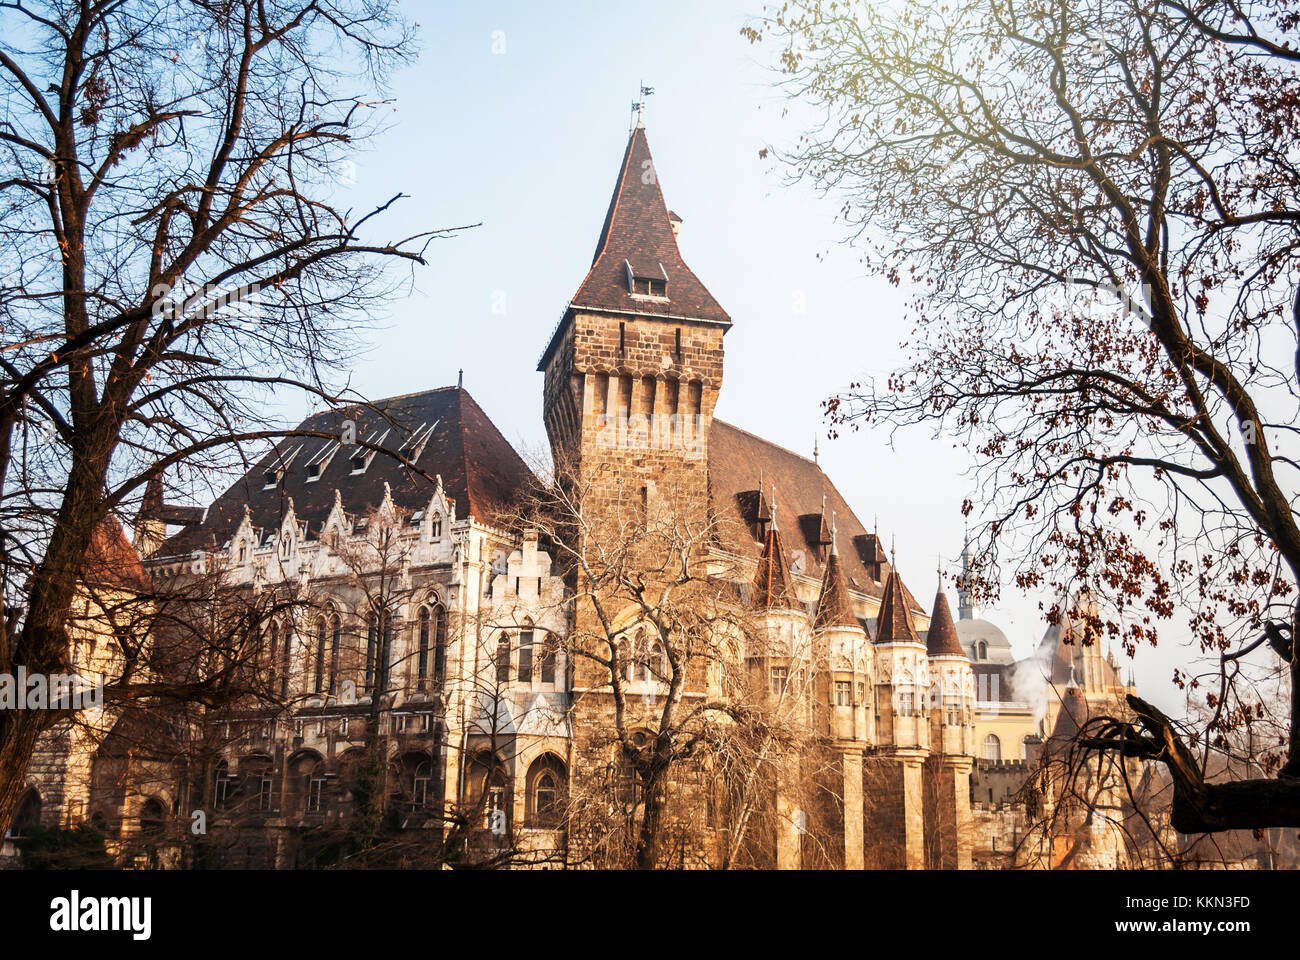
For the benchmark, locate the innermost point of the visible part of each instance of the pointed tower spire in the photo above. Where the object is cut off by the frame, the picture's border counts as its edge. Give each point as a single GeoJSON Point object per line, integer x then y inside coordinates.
{"type": "Point", "coordinates": [771, 579]}
{"type": "Point", "coordinates": [834, 605]}
{"type": "Point", "coordinates": [967, 607]}
{"type": "Point", "coordinates": [894, 624]}
{"type": "Point", "coordinates": [637, 242]}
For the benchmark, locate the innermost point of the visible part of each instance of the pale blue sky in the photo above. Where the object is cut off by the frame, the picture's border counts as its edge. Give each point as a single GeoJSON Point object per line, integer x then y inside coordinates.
{"type": "Point", "coordinates": [516, 115]}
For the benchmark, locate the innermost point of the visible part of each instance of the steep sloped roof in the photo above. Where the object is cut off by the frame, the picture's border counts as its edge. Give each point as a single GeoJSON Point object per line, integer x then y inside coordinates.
{"type": "Point", "coordinates": [736, 458]}
{"type": "Point", "coordinates": [480, 470]}
{"type": "Point", "coordinates": [638, 236]}
{"type": "Point", "coordinates": [111, 561]}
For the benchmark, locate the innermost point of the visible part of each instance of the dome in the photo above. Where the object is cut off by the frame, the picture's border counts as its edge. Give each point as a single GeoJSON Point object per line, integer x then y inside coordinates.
{"type": "Point", "coordinates": [997, 648]}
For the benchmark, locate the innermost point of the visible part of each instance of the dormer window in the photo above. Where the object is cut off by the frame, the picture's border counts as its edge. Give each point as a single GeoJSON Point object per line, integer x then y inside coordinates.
{"type": "Point", "coordinates": [362, 455]}
{"type": "Point", "coordinates": [317, 464]}
{"type": "Point", "coordinates": [435, 527]}
{"type": "Point", "coordinates": [275, 472]}
{"type": "Point", "coordinates": [413, 445]}
{"type": "Point", "coordinates": [648, 281]}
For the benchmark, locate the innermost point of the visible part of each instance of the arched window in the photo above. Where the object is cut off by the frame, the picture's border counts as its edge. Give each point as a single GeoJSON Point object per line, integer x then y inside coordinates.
{"type": "Point", "coordinates": [548, 660]}
{"type": "Point", "coordinates": [222, 786]}
{"type": "Point", "coordinates": [27, 815]}
{"type": "Point", "coordinates": [439, 617]}
{"type": "Point", "coordinates": [286, 652]}
{"type": "Point", "coordinates": [336, 634]}
{"type": "Point", "coordinates": [983, 650]}
{"type": "Point", "coordinates": [503, 658]}
{"type": "Point", "coordinates": [258, 782]}
{"type": "Point", "coordinates": [379, 644]}
{"type": "Point", "coordinates": [322, 628]}
{"type": "Point", "coordinates": [658, 662]}
{"type": "Point", "coordinates": [642, 654]}
{"type": "Point", "coordinates": [992, 748]}
{"type": "Point", "coordinates": [422, 648]}
{"type": "Point", "coordinates": [546, 788]}
{"type": "Point", "coordinates": [622, 659]}
{"type": "Point", "coordinates": [526, 653]}
{"type": "Point", "coordinates": [273, 646]}
{"type": "Point", "coordinates": [152, 817]}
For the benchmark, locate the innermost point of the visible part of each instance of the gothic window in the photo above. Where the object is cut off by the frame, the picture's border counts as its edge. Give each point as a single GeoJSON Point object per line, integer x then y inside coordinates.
{"type": "Point", "coordinates": [862, 693]}
{"type": "Point", "coordinates": [641, 654]}
{"type": "Point", "coordinates": [526, 654]}
{"type": "Point", "coordinates": [546, 780]}
{"type": "Point", "coordinates": [286, 652]}
{"type": "Point", "coordinates": [422, 649]}
{"type": "Point", "coordinates": [273, 645]}
{"type": "Point", "coordinates": [843, 693]}
{"type": "Point", "coordinates": [336, 631]}
{"type": "Point", "coordinates": [435, 527]}
{"type": "Point", "coordinates": [907, 703]}
{"type": "Point", "coordinates": [548, 661]}
{"type": "Point", "coordinates": [622, 659]}
{"type": "Point", "coordinates": [27, 814]}
{"type": "Point", "coordinates": [992, 748]}
{"type": "Point", "coordinates": [503, 658]}
{"type": "Point", "coordinates": [152, 817]}
{"type": "Point", "coordinates": [372, 642]}
{"type": "Point", "coordinates": [658, 662]}
{"type": "Point", "coordinates": [439, 617]}
{"type": "Point", "coordinates": [318, 680]}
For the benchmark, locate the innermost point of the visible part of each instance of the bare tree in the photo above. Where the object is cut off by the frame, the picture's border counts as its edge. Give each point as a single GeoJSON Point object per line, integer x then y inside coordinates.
{"type": "Point", "coordinates": [173, 248]}
{"type": "Point", "coordinates": [674, 724]}
{"type": "Point", "coordinates": [1095, 207]}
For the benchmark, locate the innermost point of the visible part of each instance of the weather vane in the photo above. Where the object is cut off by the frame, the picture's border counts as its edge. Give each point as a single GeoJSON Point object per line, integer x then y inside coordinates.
{"type": "Point", "coordinates": [638, 106]}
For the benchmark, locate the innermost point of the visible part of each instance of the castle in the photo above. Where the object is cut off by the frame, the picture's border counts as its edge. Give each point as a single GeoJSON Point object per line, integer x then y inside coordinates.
{"type": "Point", "coordinates": [425, 612]}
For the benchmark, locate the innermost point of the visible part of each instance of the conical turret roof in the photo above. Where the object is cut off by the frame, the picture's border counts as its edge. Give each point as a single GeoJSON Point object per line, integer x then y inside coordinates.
{"type": "Point", "coordinates": [894, 624]}
{"type": "Point", "coordinates": [941, 639]}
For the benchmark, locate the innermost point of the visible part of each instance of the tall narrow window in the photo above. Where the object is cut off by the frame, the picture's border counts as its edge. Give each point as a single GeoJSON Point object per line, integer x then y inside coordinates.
{"type": "Point", "coordinates": [422, 651]}
{"type": "Point", "coordinates": [336, 631]}
{"type": "Point", "coordinates": [273, 642]}
{"type": "Point", "coordinates": [677, 346]}
{"type": "Point", "coordinates": [526, 656]}
{"type": "Point", "coordinates": [640, 654]}
{"type": "Point", "coordinates": [321, 628]}
{"type": "Point", "coordinates": [372, 639]}
{"type": "Point", "coordinates": [286, 651]}
{"type": "Point", "coordinates": [439, 643]}
{"type": "Point", "coordinates": [503, 658]}
{"type": "Point", "coordinates": [658, 662]}
{"type": "Point", "coordinates": [548, 660]}
{"type": "Point", "coordinates": [316, 789]}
